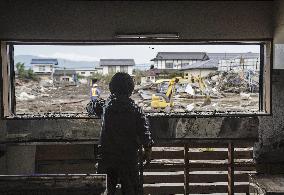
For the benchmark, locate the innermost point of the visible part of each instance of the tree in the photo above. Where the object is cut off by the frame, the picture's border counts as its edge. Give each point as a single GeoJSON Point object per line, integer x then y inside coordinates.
{"type": "Point", "coordinates": [23, 73]}
{"type": "Point", "coordinates": [21, 69]}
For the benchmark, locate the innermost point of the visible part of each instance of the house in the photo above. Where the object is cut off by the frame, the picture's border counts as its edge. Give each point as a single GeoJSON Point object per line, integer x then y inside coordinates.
{"type": "Point", "coordinates": [222, 62]}
{"type": "Point", "coordinates": [149, 76]}
{"type": "Point", "coordinates": [85, 72]}
{"type": "Point", "coordinates": [65, 75]}
{"type": "Point", "coordinates": [111, 66]}
{"type": "Point", "coordinates": [241, 61]}
{"type": "Point", "coordinates": [99, 69]}
{"type": "Point", "coordinates": [176, 60]}
{"type": "Point", "coordinates": [201, 68]}
{"type": "Point", "coordinates": [44, 68]}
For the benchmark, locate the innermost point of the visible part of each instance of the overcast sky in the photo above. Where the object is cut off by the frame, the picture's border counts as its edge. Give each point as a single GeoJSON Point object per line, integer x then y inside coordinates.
{"type": "Point", "coordinates": [140, 53]}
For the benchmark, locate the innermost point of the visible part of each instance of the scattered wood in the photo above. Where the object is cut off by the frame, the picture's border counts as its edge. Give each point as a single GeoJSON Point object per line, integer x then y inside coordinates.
{"type": "Point", "coordinates": [69, 102]}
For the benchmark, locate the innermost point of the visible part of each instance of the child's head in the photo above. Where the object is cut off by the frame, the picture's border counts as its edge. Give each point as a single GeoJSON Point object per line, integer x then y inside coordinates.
{"type": "Point", "coordinates": [121, 84]}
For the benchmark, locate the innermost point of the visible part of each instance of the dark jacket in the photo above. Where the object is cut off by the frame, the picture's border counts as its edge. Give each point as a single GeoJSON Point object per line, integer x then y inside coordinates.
{"type": "Point", "coordinates": [124, 129]}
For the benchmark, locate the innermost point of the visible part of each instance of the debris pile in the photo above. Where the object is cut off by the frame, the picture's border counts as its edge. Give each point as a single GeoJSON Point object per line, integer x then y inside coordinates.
{"type": "Point", "coordinates": [219, 91]}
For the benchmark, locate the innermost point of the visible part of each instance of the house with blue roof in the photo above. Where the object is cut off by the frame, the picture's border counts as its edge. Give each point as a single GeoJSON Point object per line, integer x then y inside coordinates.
{"type": "Point", "coordinates": [44, 68]}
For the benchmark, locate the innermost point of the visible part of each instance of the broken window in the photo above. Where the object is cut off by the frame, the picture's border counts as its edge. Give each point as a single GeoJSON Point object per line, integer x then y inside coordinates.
{"type": "Point", "coordinates": [178, 79]}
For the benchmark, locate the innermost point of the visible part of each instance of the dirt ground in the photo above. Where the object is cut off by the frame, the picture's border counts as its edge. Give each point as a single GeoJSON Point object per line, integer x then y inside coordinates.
{"type": "Point", "coordinates": [37, 97]}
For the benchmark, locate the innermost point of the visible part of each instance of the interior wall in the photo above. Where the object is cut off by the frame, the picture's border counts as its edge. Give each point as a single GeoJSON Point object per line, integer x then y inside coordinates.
{"type": "Point", "coordinates": [269, 151]}
{"type": "Point", "coordinates": [279, 35]}
{"type": "Point", "coordinates": [90, 20]}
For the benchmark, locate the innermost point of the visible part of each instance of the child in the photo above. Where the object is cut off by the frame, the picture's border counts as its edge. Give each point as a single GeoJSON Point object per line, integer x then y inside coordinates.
{"type": "Point", "coordinates": [124, 129]}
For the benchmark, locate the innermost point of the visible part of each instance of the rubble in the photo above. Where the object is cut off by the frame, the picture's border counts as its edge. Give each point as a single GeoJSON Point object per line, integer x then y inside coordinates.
{"type": "Point", "coordinates": [223, 91]}
{"type": "Point", "coordinates": [24, 96]}
{"type": "Point", "coordinates": [245, 96]}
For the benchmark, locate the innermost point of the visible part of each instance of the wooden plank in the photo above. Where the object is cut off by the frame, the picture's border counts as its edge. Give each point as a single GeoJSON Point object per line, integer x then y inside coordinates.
{"type": "Point", "coordinates": [151, 179]}
{"type": "Point", "coordinates": [231, 181]}
{"type": "Point", "coordinates": [167, 154]}
{"type": "Point", "coordinates": [12, 97]}
{"type": "Point", "coordinates": [193, 178]}
{"type": "Point", "coordinates": [267, 77]}
{"type": "Point", "coordinates": [193, 189]}
{"type": "Point", "coordinates": [160, 167]}
{"type": "Point", "coordinates": [206, 155]}
{"type": "Point", "coordinates": [64, 152]}
{"type": "Point", "coordinates": [186, 170]}
{"type": "Point", "coordinates": [219, 155]}
{"type": "Point", "coordinates": [239, 144]}
{"type": "Point", "coordinates": [156, 190]}
{"type": "Point", "coordinates": [5, 77]}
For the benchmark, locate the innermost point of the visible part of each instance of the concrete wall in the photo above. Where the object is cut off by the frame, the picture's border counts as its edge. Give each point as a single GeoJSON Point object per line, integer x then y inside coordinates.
{"type": "Point", "coordinates": [20, 160]}
{"type": "Point", "coordinates": [89, 20]}
{"type": "Point", "coordinates": [269, 151]}
{"type": "Point", "coordinates": [279, 35]}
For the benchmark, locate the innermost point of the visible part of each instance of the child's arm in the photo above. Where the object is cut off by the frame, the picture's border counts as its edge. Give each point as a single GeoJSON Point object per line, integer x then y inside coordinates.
{"type": "Point", "coordinates": [144, 130]}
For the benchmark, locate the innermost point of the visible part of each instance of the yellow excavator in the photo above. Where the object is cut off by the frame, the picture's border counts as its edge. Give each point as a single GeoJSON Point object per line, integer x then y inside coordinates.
{"type": "Point", "coordinates": [160, 100]}
{"type": "Point", "coordinates": [202, 85]}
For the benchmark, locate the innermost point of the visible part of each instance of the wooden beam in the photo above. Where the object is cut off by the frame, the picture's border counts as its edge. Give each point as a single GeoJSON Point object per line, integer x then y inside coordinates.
{"type": "Point", "coordinates": [193, 178]}
{"type": "Point", "coordinates": [231, 169]}
{"type": "Point", "coordinates": [186, 170]}
{"type": "Point", "coordinates": [5, 79]}
{"type": "Point", "coordinates": [194, 189]}
{"type": "Point", "coordinates": [268, 63]}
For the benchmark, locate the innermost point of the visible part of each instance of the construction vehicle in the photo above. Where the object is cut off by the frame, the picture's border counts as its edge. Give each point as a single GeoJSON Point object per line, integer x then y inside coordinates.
{"type": "Point", "coordinates": [160, 100]}
{"type": "Point", "coordinates": [167, 88]}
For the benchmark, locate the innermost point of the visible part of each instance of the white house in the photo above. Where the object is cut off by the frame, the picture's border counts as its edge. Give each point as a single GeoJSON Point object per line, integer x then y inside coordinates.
{"type": "Point", "coordinates": [44, 68]}
{"type": "Point", "coordinates": [176, 60]}
{"type": "Point", "coordinates": [85, 72]}
{"type": "Point", "coordinates": [243, 61]}
{"type": "Point", "coordinates": [99, 69]}
{"type": "Point", "coordinates": [111, 66]}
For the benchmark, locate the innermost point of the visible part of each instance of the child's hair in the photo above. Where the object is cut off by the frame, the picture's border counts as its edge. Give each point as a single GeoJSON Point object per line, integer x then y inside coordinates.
{"type": "Point", "coordinates": [121, 84]}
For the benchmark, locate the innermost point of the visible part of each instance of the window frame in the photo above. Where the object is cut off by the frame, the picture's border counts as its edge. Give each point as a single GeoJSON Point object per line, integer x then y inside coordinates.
{"type": "Point", "coordinates": [8, 100]}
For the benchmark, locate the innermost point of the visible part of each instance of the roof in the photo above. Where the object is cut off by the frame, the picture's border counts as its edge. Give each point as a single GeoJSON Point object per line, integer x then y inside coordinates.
{"type": "Point", "coordinates": [156, 71]}
{"type": "Point", "coordinates": [66, 72]}
{"type": "Point", "coordinates": [207, 64]}
{"type": "Point", "coordinates": [181, 56]}
{"type": "Point", "coordinates": [84, 69]}
{"type": "Point", "coordinates": [45, 61]}
{"type": "Point", "coordinates": [214, 58]}
{"type": "Point", "coordinates": [117, 62]}
{"type": "Point", "coordinates": [228, 56]}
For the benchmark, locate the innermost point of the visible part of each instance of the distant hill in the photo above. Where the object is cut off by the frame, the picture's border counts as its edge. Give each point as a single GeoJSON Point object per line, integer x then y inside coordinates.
{"type": "Point", "coordinates": [26, 59]}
